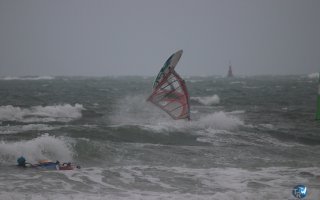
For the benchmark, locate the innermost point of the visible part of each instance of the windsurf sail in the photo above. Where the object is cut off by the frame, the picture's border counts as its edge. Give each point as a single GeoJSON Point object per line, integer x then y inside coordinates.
{"type": "Point", "coordinates": [169, 90]}
{"type": "Point", "coordinates": [318, 101]}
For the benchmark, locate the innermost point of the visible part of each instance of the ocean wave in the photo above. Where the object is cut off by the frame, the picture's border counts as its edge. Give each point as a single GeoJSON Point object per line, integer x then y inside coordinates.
{"type": "Point", "coordinates": [43, 147]}
{"type": "Point", "coordinates": [134, 110]}
{"type": "Point", "coordinates": [195, 80]}
{"type": "Point", "coordinates": [313, 75]}
{"type": "Point", "coordinates": [237, 82]}
{"type": "Point", "coordinates": [217, 121]}
{"type": "Point", "coordinates": [29, 78]}
{"type": "Point", "coordinates": [220, 120]}
{"type": "Point", "coordinates": [237, 112]}
{"type": "Point", "coordinates": [208, 100]}
{"type": "Point", "coordinates": [23, 128]}
{"type": "Point", "coordinates": [59, 113]}
{"type": "Point", "coordinates": [176, 183]}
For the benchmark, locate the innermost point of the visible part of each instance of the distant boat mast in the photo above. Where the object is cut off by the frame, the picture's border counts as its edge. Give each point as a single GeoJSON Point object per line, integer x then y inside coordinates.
{"type": "Point", "coordinates": [230, 74]}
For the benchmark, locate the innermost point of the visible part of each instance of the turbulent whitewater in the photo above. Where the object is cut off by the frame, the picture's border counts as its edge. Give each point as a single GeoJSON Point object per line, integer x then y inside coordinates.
{"type": "Point", "coordinates": [249, 138]}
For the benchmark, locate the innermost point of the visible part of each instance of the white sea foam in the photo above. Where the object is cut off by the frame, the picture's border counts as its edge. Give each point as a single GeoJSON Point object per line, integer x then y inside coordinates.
{"type": "Point", "coordinates": [195, 80]}
{"type": "Point", "coordinates": [194, 111]}
{"type": "Point", "coordinates": [220, 183]}
{"type": "Point", "coordinates": [268, 126]}
{"type": "Point", "coordinates": [30, 78]}
{"type": "Point", "coordinates": [237, 112]}
{"type": "Point", "coordinates": [208, 100]}
{"type": "Point", "coordinates": [220, 120]}
{"type": "Point", "coordinates": [251, 87]}
{"type": "Point", "coordinates": [215, 121]}
{"type": "Point", "coordinates": [134, 110]}
{"type": "Point", "coordinates": [94, 176]}
{"type": "Point", "coordinates": [238, 82]}
{"type": "Point", "coordinates": [313, 75]}
{"type": "Point", "coordinates": [162, 182]}
{"type": "Point", "coordinates": [61, 113]}
{"type": "Point", "coordinates": [132, 195]}
{"type": "Point", "coordinates": [43, 147]}
{"type": "Point", "coordinates": [11, 129]}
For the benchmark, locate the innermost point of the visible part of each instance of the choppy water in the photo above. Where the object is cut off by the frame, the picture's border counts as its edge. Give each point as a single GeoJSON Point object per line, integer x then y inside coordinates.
{"type": "Point", "coordinates": [249, 138]}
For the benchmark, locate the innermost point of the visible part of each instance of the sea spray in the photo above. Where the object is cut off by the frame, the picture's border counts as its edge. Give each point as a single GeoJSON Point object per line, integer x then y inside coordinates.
{"type": "Point", "coordinates": [61, 113]}
{"type": "Point", "coordinates": [29, 78]}
{"type": "Point", "coordinates": [245, 147]}
{"type": "Point", "coordinates": [43, 147]}
{"type": "Point", "coordinates": [208, 100]}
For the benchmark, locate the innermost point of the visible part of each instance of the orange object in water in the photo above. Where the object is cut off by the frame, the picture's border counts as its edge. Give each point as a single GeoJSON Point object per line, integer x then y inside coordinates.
{"type": "Point", "coordinates": [43, 161]}
{"type": "Point", "coordinates": [66, 166]}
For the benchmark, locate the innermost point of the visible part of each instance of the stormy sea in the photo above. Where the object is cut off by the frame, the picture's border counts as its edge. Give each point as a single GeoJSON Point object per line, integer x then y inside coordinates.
{"type": "Point", "coordinates": [249, 138]}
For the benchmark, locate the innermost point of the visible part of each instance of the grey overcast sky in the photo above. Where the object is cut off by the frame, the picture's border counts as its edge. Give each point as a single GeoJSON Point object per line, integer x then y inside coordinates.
{"type": "Point", "coordinates": [135, 37]}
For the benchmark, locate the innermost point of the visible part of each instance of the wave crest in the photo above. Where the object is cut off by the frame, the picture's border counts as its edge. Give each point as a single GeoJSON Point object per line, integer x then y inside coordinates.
{"type": "Point", "coordinates": [207, 101]}
{"type": "Point", "coordinates": [43, 147]}
{"type": "Point", "coordinates": [60, 113]}
{"type": "Point", "coordinates": [313, 75]}
{"type": "Point", "coordinates": [31, 78]}
{"type": "Point", "coordinates": [134, 110]}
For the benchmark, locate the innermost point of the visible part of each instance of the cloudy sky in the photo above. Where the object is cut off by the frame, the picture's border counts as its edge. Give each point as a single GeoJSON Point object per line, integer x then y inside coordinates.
{"type": "Point", "coordinates": [135, 37]}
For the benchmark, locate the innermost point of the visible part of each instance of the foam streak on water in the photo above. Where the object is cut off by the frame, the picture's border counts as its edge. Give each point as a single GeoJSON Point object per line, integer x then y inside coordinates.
{"type": "Point", "coordinates": [158, 182]}
{"type": "Point", "coordinates": [43, 147]}
{"type": "Point", "coordinates": [64, 112]}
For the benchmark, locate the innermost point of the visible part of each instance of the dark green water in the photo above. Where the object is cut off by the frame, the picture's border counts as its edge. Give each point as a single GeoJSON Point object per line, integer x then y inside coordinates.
{"type": "Point", "coordinates": [249, 138]}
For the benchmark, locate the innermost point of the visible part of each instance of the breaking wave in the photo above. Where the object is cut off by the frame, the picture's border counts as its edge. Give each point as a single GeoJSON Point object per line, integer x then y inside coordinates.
{"type": "Point", "coordinates": [207, 101]}
{"type": "Point", "coordinates": [134, 110]}
{"type": "Point", "coordinates": [43, 147]}
{"type": "Point", "coordinates": [313, 75]}
{"type": "Point", "coordinates": [22, 128]}
{"type": "Point", "coordinates": [183, 183]}
{"type": "Point", "coordinates": [60, 113]}
{"type": "Point", "coordinates": [214, 121]}
{"type": "Point", "coordinates": [31, 78]}
{"type": "Point", "coordinates": [220, 120]}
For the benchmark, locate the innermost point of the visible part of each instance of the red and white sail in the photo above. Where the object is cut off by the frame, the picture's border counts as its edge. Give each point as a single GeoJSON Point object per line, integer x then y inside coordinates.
{"type": "Point", "coordinates": [169, 90]}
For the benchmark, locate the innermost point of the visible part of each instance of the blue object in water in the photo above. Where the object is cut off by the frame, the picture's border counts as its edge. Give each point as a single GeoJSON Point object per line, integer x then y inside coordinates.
{"type": "Point", "coordinates": [299, 191]}
{"type": "Point", "coordinates": [21, 161]}
{"type": "Point", "coordinates": [50, 165]}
